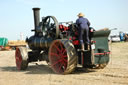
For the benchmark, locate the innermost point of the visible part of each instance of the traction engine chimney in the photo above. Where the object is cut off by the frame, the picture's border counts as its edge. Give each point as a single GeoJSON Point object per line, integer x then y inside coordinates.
{"type": "Point", "coordinates": [36, 12]}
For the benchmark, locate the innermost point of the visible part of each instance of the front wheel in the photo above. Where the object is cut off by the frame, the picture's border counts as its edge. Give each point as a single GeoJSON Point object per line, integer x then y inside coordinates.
{"type": "Point", "coordinates": [21, 56]}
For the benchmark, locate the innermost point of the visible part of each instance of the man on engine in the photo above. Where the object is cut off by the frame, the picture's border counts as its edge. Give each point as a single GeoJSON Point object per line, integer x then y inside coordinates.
{"type": "Point", "coordinates": [83, 30]}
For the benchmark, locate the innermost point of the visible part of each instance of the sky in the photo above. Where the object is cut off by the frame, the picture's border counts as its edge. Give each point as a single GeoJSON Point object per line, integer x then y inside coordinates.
{"type": "Point", "coordinates": [16, 16]}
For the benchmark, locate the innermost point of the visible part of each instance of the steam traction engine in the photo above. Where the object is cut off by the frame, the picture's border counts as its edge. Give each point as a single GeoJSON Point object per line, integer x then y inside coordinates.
{"type": "Point", "coordinates": [57, 44]}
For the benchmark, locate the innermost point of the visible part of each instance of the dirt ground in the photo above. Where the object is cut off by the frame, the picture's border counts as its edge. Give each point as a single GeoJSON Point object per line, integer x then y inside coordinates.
{"type": "Point", "coordinates": [116, 72]}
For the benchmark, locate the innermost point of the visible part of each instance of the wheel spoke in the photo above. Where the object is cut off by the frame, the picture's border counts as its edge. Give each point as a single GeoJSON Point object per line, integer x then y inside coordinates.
{"type": "Point", "coordinates": [48, 21]}
{"type": "Point", "coordinates": [57, 48]}
{"type": "Point", "coordinates": [61, 47]}
{"type": "Point", "coordinates": [53, 26]}
{"type": "Point", "coordinates": [65, 60]}
{"type": "Point", "coordinates": [65, 56]}
{"type": "Point", "coordinates": [60, 67]}
{"type": "Point", "coordinates": [56, 62]}
{"type": "Point", "coordinates": [65, 65]}
{"type": "Point", "coordinates": [54, 54]}
{"type": "Point", "coordinates": [64, 51]}
{"type": "Point", "coordinates": [17, 58]}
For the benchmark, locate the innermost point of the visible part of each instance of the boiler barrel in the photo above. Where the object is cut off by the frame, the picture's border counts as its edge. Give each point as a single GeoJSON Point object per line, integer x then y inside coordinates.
{"type": "Point", "coordinates": [36, 43]}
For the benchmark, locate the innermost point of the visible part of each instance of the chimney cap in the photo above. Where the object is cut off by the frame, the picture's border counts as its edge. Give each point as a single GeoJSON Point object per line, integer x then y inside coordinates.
{"type": "Point", "coordinates": [36, 8]}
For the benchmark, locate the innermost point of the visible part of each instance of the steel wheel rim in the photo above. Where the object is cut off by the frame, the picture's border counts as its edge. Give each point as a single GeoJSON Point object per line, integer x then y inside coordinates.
{"type": "Point", "coordinates": [58, 57]}
{"type": "Point", "coordinates": [18, 59]}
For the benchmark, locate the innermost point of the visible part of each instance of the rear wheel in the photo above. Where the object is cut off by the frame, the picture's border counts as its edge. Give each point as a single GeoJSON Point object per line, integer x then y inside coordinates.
{"type": "Point", "coordinates": [62, 56]}
{"type": "Point", "coordinates": [21, 56]}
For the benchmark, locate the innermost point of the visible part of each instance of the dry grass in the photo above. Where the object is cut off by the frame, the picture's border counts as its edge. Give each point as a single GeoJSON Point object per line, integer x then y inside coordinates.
{"type": "Point", "coordinates": [16, 43]}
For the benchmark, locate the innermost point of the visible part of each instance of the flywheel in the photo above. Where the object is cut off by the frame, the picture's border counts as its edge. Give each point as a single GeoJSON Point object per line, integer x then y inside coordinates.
{"type": "Point", "coordinates": [50, 27]}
